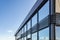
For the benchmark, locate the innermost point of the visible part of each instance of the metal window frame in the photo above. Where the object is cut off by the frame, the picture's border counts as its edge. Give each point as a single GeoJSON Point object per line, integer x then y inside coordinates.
{"type": "Point", "coordinates": [52, 25]}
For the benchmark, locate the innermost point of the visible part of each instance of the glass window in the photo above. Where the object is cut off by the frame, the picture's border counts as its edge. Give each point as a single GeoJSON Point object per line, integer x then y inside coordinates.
{"type": "Point", "coordinates": [28, 25]}
{"type": "Point", "coordinates": [34, 36]}
{"type": "Point", "coordinates": [44, 11]}
{"type": "Point", "coordinates": [24, 38]}
{"type": "Point", "coordinates": [34, 20]}
{"type": "Point", "coordinates": [57, 32]}
{"type": "Point", "coordinates": [18, 35]}
{"type": "Point", "coordinates": [24, 28]}
{"type": "Point", "coordinates": [20, 39]}
{"type": "Point", "coordinates": [44, 34]}
{"type": "Point", "coordinates": [21, 31]}
{"type": "Point", "coordinates": [29, 36]}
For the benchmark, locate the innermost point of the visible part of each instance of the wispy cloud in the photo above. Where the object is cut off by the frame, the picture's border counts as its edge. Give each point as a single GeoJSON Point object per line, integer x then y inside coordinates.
{"type": "Point", "coordinates": [10, 31]}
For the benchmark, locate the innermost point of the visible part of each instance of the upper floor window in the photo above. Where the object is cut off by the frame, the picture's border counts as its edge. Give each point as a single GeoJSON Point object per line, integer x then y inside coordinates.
{"type": "Point", "coordinates": [24, 29]}
{"type": "Point", "coordinates": [34, 36]}
{"type": "Point", "coordinates": [28, 25]}
{"type": "Point", "coordinates": [29, 36]}
{"type": "Point", "coordinates": [34, 20]}
{"type": "Point", "coordinates": [44, 11]}
{"type": "Point", "coordinates": [44, 34]}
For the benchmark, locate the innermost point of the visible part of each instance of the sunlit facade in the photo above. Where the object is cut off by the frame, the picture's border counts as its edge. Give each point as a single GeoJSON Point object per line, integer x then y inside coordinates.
{"type": "Point", "coordinates": [42, 22]}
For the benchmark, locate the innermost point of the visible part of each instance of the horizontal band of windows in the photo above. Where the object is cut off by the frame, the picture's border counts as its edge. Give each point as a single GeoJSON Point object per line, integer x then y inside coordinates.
{"type": "Point", "coordinates": [44, 23]}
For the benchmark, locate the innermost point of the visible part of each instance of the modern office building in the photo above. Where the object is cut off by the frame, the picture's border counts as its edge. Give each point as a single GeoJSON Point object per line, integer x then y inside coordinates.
{"type": "Point", "coordinates": [42, 22]}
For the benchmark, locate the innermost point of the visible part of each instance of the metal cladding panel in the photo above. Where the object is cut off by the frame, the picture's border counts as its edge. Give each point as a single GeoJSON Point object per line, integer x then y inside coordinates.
{"type": "Point", "coordinates": [58, 19]}
{"type": "Point", "coordinates": [44, 23]}
{"type": "Point", "coordinates": [57, 6]}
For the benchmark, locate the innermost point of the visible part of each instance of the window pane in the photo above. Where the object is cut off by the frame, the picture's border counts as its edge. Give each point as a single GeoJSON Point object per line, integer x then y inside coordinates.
{"type": "Point", "coordinates": [24, 29]}
{"type": "Point", "coordinates": [24, 38]}
{"type": "Point", "coordinates": [44, 11]}
{"type": "Point", "coordinates": [29, 36]}
{"type": "Point", "coordinates": [34, 36]}
{"type": "Point", "coordinates": [58, 33]}
{"type": "Point", "coordinates": [28, 25]}
{"type": "Point", "coordinates": [34, 20]}
{"type": "Point", "coordinates": [44, 34]}
{"type": "Point", "coordinates": [18, 35]}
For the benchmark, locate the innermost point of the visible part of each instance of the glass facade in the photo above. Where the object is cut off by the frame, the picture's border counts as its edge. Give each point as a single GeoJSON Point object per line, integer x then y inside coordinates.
{"type": "Point", "coordinates": [29, 36]}
{"type": "Point", "coordinates": [28, 25]}
{"type": "Point", "coordinates": [24, 38]}
{"type": "Point", "coordinates": [24, 28]}
{"type": "Point", "coordinates": [37, 26]}
{"type": "Point", "coordinates": [44, 34]}
{"type": "Point", "coordinates": [57, 32]}
{"type": "Point", "coordinates": [44, 11]}
{"type": "Point", "coordinates": [34, 20]}
{"type": "Point", "coordinates": [34, 36]}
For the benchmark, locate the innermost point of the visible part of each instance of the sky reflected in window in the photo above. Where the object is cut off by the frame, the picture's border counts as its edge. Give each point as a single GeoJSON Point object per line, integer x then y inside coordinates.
{"type": "Point", "coordinates": [44, 34]}
{"type": "Point", "coordinates": [58, 33]}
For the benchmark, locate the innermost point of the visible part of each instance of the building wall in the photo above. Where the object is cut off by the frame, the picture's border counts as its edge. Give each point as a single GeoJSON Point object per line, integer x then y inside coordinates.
{"type": "Point", "coordinates": [38, 27]}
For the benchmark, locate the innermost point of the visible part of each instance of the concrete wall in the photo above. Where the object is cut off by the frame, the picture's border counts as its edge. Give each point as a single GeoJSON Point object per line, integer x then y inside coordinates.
{"type": "Point", "coordinates": [57, 6]}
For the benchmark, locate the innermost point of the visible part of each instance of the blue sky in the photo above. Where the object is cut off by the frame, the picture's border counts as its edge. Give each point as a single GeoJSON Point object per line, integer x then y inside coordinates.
{"type": "Point", "coordinates": [12, 13]}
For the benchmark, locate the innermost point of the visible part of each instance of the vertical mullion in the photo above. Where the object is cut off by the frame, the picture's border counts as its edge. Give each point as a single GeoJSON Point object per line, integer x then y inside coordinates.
{"type": "Point", "coordinates": [37, 26]}
{"type": "Point", "coordinates": [31, 28]}
{"type": "Point", "coordinates": [26, 30]}
{"type": "Point", "coordinates": [52, 23]}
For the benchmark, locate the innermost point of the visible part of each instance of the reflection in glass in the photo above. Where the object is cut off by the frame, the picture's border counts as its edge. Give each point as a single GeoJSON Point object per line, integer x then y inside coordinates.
{"type": "Point", "coordinates": [19, 35]}
{"type": "Point", "coordinates": [24, 38]}
{"type": "Point", "coordinates": [34, 20]}
{"type": "Point", "coordinates": [58, 33]}
{"type": "Point", "coordinates": [29, 36]}
{"type": "Point", "coordinates": [20, 39]}
{"type": "Point", "coordinates": [34, 36]}
{"type": "Point", "coordinates": [28, 25]}
{"type": "Point", "coordinates": [44, 11]}
{"type": "Point", "coordinates": [44, 34]}
{"type": "Point", "coordinates": [24, 28]}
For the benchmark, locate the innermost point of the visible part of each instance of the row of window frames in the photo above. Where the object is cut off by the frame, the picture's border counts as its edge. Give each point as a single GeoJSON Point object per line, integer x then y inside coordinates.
{"type": "Point", "coordinates": [38, 16]}
{"type": "Point", "coordinates": [28, 26]}
{"type": "Point", "coordinates": [44, 35]}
